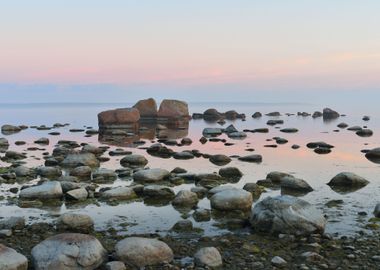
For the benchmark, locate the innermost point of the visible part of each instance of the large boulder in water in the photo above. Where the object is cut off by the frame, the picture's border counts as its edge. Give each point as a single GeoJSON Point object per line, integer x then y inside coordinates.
{"type": "Point", "coordinates": [212, 114]}
{"type": "Point", "coordinates": [288, 215]}
{"type": "Point", "coordinates": [69, 251]}
{"type": "Point", "coordinates": [10, 259]}
{"type": "Point", "coordinates": [374, 155]}
{"type": "Point", "coordinates": [173, 109]}
{"type": "Point", "coordinates": [147, 108]}
{"type": "Point", "coordinates": [330, 114]}
{"type": "Point", "coordinates": [141, 252]}
{"type": "Point", "coordinates": [118, 117]}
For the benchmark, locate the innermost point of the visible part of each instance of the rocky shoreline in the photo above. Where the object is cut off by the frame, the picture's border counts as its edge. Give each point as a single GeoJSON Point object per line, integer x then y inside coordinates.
{"type": "Point", "coordinates": [276, 232]}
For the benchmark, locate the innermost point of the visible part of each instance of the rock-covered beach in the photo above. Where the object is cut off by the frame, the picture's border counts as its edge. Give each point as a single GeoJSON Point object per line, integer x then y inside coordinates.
{"type": "Point", "coordinates": [165, 187]}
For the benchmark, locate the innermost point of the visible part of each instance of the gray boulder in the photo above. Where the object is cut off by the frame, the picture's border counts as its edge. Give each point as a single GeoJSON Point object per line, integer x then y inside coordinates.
{"type": "Point", "coordinates": [209, 257]}
{"type": "Point", "coordinates": [45, 191]}
{"type": "Point", "coordinates": [151, 175]}
{"type": "Point", "coordinates": [133, 161]}
{"type": "Point", "coordinates": [77, 159]}
{"type": "Point", "coordinates": [69, 251]}
{"type": "Point", "coordinates": [121, 193]}
{"type": "Point", "coordinates": [287, 215]}
{"type": "Point", "coordinates": [10, 259]}
{"type": "Point", "coordinates": [141, 252]}
{"type": "Point", "coordinates": [75, 222]}
{"type": "Point", "coordinates": [232, 199]}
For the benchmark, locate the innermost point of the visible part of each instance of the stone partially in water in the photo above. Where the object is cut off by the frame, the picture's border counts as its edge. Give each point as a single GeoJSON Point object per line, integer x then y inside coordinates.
{"type": "Point", "coordinates": [141, 252]}
{"type": "Point", "coordinates": [220, 160]}
{"type": "Point", "coordinates": [73, 160]}
{"type": "Point", "coordinates": [232, 199]}
{"type": "Point", "coordinates": [330, 114]}
{"type": "Point", "coordinates": [288, 215]}
{"type": "Point", "coordinates": [365, 132]}
{"type": "Point", "coordinates": [185, 198]}
{"type": "Point", "coordinates": [147, 108]}
{"type": "Point", "coordinates": [120, 193]}
{"type": "Point", "coordinates": [373, 155]}
{"type": "Point", "coordinates": [133, 161]}
{"type": "Point", "coordinates": [376, 212]}
{"type": "Point", "coordinates": [75, 222]}
{"type": "Point", "coordinates": [347, 182]}
{"type": "Point", "coordinates": [252, 158]}
{"type": "Point", "coordinates": [151, 175]}
{"type": "Point", "coordinates": [45, 191]}
{"type": "Point", "coordinates": [173, 109]}
{"type": "Point", "coordinates": [290, 183]}
{"type": "Point", "coordinates": [70, 251]}
{"type": "Point", "coordinates": [118, 117]}
{"type": "Point", "coordinates": [10, 259]}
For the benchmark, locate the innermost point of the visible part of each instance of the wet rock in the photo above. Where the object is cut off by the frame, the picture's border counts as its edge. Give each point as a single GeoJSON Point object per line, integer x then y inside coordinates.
{"type": "Point", "coordinates": [184, 155]}
{"type": "Point", "coordinates": [49, 172]}
{"type": "Point", "coordinates": [230, 172]}
{"type": "Point", "coordinates": [287, 214]}
{"type": "Point", "coordinates": [119, 152]}
{"type": "Point", "coordinates": [330, 114]}
{"type": "Point", "coordinates": [118, 117]}
{"type": "Point", "coordinates": [274, 122]}
{"type": "Point", "coordinates": [273, 114]}
{"type": "Point", "coordinates": [24, 172]}
{"type": "Point", "coordinates": [342, 125]}
{"type": "Point", "coordinates": [10, 259]}
{"type": "Point", "coordinates": [77, 194]}
{"type": "Point", "coordinates": [45, 191]}
{"type": "Point", "coordinates": [212, 132]}
{"type": "Point", "coordinates": [254, 189]}
{"type": "Point", "coordinates": [313, 145]}
{"type": "Point", "coordinates": [291, 183]}
{"type": "Point", "coordinates": [256, 115]}
{"type": "Point", "coordinates": [322, 150]}
{"type": "Point", "coordinates": [158, 191]}
{"type": "Point", "coordinates": [13, 223]}
{"type": "Point", "coordinates": [173, 109]}
{"type": "Point", "coordinates": [184, 225]}
{"type": "Point", "coordinates": [232, 199]}
{"type": "Point", "coordinates": [75, 222]}
{"type": "Point", "coordinates": [201, 214]}
{"type": "Point", "coordinates": [120, 193]}
{"type": "Point", "coordinates": [237, 135]}
{"type": "Point", "coordinates": [141, 252]}
{"type": "Point", "coordinates": [354, 128]}
{"type": "Point", "coordinates": [69, 251]}
{"type": "Point", "coordinates": [133, 161]}
{"type": "Point", "coordinates": [252, 158]}
{"type": "Point", "coordinates": [230, 129]}
{"type": "Point", "coordinates": [261, 130]}
{"type": "Point", "coordinates": [212, 115]}
{"type": "Point", "coordinates": [77, 159]}
{"type": "Point", "coordinates": [317, 114]}
{"type": "Point", "coordinates": [209, 180]}
{"type": "Point", "coordinates": [186, 141]}
{"type": "Point", "coordinates": [208, 257]}
{"type": "Point", "coordinates": [115, 265]}
{"type": "Point", "coordinates": [232, 115]}
{"type": "Point", "coordinates": [220, 189]}
{"type": "Point", "coordinates": [348, 180]}
{"type": "Point", "coordinates": [178, 170]}
{"type": "Point", "coordinates": [44, 141]}
{"type": "Point", "coordinates": [220, 160]}
{"type": "Point", "coordinates": [92, 131]}
{"type": "Point", "coordinates": [97, 151]}
{"type": "Point", "coordinates": [364, 132]}
{"type": "Point", "coordinates": [147, 108]}
{"type": "Point", "coordinates": [104, 175]}
{"type": "Point", "coordinates": [295, 146]}
{"type": "Point", "coordinates": [82, 172]}
{"type": "Point", "coordinates": [289, 130]}
{"type": "Point", "coordinates": [366, 118]}
{"type": "Point", "coordinates": [376, 212]}
{"type": "Point", "coordinates": [150, 175]}
{"type": "Point", "coordinates": [10, 129]}
{"type": "Point", "coordinates": [280, 140]}
{"type": "Point", "coordinates": [373, 155]}
{"type": "Point", "coordinates": [185, 198]}
{"type": "Point", "coordinates": [13, 155]}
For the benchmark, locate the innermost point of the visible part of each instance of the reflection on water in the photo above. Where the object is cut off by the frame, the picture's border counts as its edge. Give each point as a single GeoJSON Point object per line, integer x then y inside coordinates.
{"type": "Point", "coordinates": [149, 216]}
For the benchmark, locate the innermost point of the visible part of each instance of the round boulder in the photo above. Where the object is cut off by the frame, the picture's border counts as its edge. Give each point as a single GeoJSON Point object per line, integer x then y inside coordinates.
{"type": "Point", "coordinates": [10, 259]}
{"type": "Point", "coordinates": [209, 257]}
{"type": "Point", "coordinates": [232, 199]}
{"type": "Point", "coordinates": [69, 251]}
{"type": "Point", "coordinates": [141, 252]}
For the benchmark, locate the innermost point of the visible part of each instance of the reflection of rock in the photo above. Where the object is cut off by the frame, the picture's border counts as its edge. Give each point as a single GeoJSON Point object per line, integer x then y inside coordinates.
{"type": "Point", "coordinates": [127, 136]}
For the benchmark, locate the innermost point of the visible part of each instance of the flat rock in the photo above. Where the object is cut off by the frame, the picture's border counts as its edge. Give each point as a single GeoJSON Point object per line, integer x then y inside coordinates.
{"type": "Point", "coordinates": [45, 191]}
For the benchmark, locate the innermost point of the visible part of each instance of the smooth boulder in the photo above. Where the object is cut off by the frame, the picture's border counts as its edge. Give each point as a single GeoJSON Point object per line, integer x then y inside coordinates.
{"type": "Point", "coordinates": [150, 175]}
{"type": "Point", "coordinates": [45, 191]}
{"type": "Point", "coordinates": [10, 259]}
{"type": "Point", "coordinates": [118, 117]}
{"type": "Point", "coordinates": [141, 252]}
{"type": "Point", "coordinates": [232, 199]}
{"type": "Point", "coordinates": [69, 251]}
{"type": "Point", "coordinates": [173, 109]}
{"type": "Point", "coordinates": [287, 215]}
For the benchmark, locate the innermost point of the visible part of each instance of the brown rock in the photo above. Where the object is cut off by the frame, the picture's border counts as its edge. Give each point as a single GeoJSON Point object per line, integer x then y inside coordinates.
{"type": "Point", "coordinates": [173, 109]}
{"type": "Point", "coordinates": [118, 117]}
{"type": "Point", "coordinates": [147, 108]}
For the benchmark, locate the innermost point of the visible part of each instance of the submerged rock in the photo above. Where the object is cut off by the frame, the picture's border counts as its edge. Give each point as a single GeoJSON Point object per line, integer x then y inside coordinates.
{"type": "Point", "coordinates": [288, 215]}
{"type": "Point", "coordinates": [69, 251]}
{"type": "Point", "coordinates": [141, 252]}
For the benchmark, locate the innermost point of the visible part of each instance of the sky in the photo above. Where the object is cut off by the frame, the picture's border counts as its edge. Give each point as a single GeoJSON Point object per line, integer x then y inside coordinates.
{"type": "Point", "coordinates": [70, 50]}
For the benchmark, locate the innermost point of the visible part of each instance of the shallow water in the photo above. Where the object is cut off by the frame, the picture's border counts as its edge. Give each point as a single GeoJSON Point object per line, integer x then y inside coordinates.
{"type": "Point", "coordinates": [316, 169]}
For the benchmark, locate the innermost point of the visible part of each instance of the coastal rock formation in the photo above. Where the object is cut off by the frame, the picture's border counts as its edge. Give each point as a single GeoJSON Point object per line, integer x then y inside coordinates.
{"type": "Point", "coordinates": [173, 109]}
{"type": "Point", "coordinates": [147, 108]}
{"type": "Point", "coordinates": [118, 117]}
